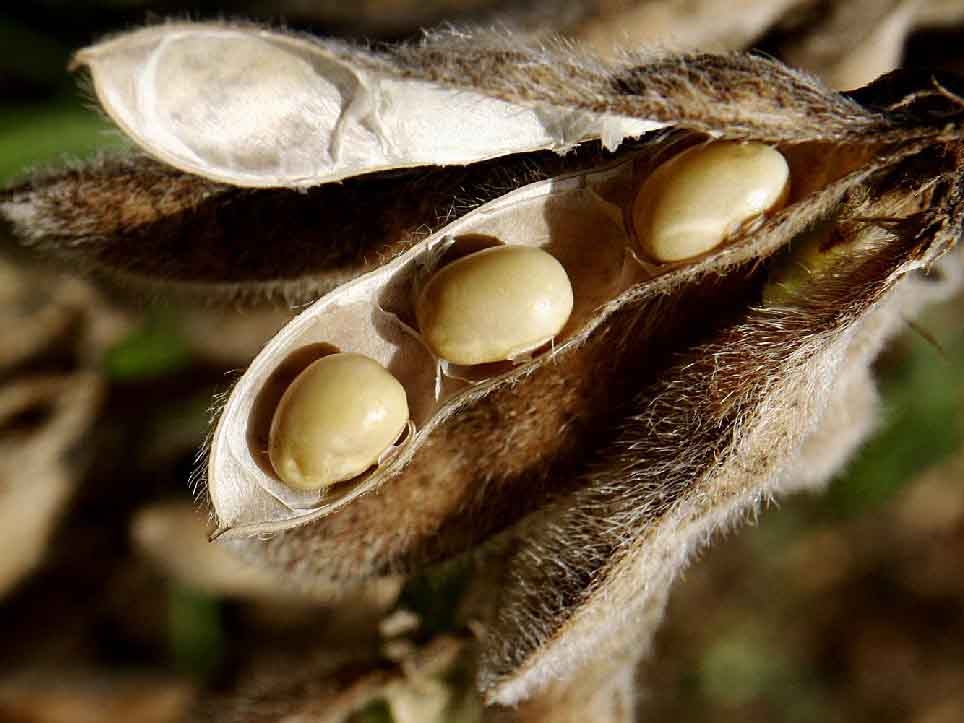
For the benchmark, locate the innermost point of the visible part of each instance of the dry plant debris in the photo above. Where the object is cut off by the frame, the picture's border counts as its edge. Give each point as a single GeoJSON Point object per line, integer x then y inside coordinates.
{"type": "Point", "coordinates": [45, 696]}
{"type": "Point", "coordinates": [44, 415]}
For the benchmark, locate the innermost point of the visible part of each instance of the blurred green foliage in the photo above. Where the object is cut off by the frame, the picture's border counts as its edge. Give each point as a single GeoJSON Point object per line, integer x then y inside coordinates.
{"type": "Point", "coordinates": [195, 632]}
{"type": "Point", "coordinates": [377, 712]}
{"type": "Point", "coordinates": [43, 118]}
{"type": "Point", "coordinates": [923, 423]}
{"type": "Point", "coordinates": [154, 349]}
{"type": "Point", "coordinates": [435, 594]}
{"type": "Point", "coordinates": [35, 135]}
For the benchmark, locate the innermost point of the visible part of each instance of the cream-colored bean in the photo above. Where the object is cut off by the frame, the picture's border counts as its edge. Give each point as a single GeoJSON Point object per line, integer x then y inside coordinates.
{"type": "Point", "coordinates": [494, 305]}
{"type": "Point", "coordinates": [693, 202]}
{"type": "Point", "coordinates": [335, 420]}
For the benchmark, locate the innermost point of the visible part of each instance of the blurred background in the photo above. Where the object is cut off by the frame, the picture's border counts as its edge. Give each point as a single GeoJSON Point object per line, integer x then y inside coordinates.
{"type": "Point", "coordinates": [836, 607]}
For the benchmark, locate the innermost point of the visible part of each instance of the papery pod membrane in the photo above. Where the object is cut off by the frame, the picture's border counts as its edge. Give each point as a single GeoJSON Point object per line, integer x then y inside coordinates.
{"type": "Point", "coordinates": [717, 434]}
{"type": "Point", "coordinates": [327, 110]}
{"type": "Point", "coordinates": [254, 107]}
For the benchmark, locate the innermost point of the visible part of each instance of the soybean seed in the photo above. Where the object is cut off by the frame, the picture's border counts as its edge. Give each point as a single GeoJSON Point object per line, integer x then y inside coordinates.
{"type": "Point", "coordinates": [494, 305]}
{"type": "Point", "coordinates": [693, 202]}
{"type": "Point", "coordinates": [335, 420]}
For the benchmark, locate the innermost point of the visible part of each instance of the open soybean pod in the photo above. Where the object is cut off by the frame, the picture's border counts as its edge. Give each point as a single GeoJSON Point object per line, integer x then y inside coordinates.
{"type": "Point", "coordinates": [648, 424]}
{"type": "Point", "coordinates": [676, 395]}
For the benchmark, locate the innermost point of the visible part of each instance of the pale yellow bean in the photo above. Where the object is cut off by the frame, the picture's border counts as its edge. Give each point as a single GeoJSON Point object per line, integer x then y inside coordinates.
{"type": "Point", "coordinates": [693, 202]}
{"type": "Point", "coordinates": [494, 305]}
{"type": "Point", "coordinates": [335, 420]}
